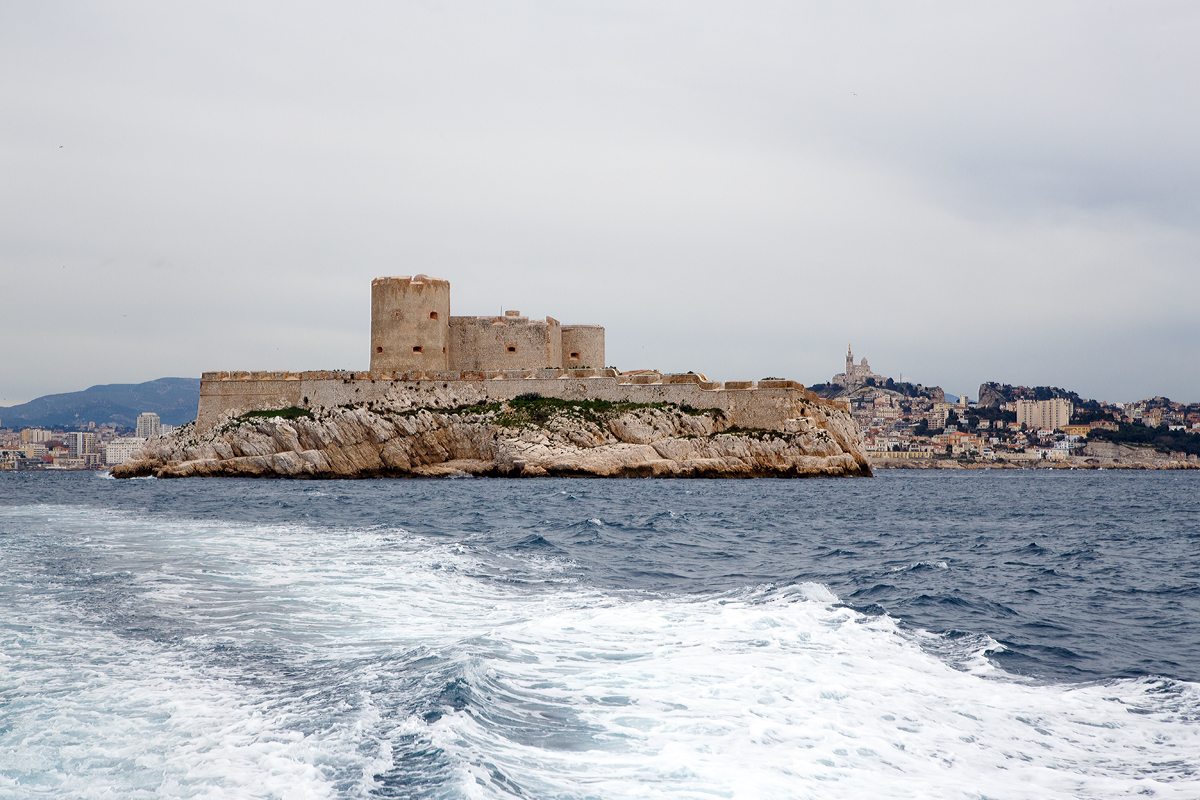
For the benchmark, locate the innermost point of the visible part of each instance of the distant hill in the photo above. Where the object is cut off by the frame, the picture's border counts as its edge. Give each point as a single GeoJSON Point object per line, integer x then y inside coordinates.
{"type": "Point", "coordinates": [831, 391]}
{"type": "Point", "coordinates": [173, 399]}
{"type": "Point", "coordinates": [994, 395]}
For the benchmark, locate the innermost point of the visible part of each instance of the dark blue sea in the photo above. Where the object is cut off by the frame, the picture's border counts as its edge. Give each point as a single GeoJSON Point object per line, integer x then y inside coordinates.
{"type": "Point", "coordinates": [1004, 634]}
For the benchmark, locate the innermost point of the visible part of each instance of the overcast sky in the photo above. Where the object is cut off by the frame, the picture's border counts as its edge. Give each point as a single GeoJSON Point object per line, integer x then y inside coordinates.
{"type": "Point", "coordinates": [962, 191]}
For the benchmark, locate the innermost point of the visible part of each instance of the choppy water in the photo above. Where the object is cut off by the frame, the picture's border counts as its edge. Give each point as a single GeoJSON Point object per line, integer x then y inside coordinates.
{"type": "Point", "coordinates": [998, 635]}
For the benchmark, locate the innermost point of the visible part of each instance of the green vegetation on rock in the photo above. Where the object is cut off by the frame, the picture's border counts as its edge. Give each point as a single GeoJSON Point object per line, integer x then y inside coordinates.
{"type": "Point", "coordinates": [1162, 439]}
{"type": "Point", "coordinates": [528, 410]}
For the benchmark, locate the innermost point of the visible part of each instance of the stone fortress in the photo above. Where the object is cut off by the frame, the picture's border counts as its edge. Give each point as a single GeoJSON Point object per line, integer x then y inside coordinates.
{"type": "Point", "coordinates": [411, 329]}
{"type": "Point", "coordinates": [503, 396]}
{"type": "Point", "coordinates": [422, 356]}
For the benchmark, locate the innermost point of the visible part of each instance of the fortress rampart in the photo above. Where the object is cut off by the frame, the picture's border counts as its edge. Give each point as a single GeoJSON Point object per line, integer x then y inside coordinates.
{"type": "Point", "coordinates": [508, 342]}
{"type": "Point", "coordinates": [763, 404]}
{"type": "Point", "coordinates": [411, 329]}
{"type": "Point", "coordinates": [420, 356]}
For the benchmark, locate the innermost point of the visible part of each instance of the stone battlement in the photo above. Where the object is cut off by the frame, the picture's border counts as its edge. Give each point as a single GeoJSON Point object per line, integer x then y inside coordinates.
{"type": "Point", "coordinates": [639, 379]}
{"type": "Point", "coordinates": [749, 404]}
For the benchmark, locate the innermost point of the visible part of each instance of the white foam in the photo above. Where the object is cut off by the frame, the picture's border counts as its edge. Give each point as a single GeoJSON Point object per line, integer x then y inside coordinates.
{"type": "Point", "coordinates": [575, 692]}
{"type": "Point", "coordinates": [97, 717]}
{"type": "Point", "coordinates": [786, 699]}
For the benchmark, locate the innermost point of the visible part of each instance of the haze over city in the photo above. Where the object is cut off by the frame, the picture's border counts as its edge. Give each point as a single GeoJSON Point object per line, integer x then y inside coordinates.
{"type": "Point", "coordinates": [1002, 192]}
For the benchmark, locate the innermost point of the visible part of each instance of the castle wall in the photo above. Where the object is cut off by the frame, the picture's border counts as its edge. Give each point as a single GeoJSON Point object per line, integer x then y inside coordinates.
{"type": "Point", "coordinates": [423, 357]}
{"type": "Point", "coordinates": [247, 391]}
{"type": "Point", "coordinates": [583, 346]}
{"type": "Point", "coordinates": [766, 405]}
{"type": "Point", "coordinates": [508, 342]}
{"type": "Point", "coordinates": [409, 323]}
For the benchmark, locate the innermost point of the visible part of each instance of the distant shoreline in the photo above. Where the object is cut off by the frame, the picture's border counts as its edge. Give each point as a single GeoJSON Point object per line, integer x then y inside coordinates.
{"type": "Point", "coordinates": [949, 465]}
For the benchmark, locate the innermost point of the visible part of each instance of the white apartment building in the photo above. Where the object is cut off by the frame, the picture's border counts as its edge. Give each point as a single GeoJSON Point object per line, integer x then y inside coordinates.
{"type": "Point", "coordinates": [1039, 414]}
{"type": "Point", "coordinates": [148, 425]}
{"type": "Point", "coordinates": [119, 451]}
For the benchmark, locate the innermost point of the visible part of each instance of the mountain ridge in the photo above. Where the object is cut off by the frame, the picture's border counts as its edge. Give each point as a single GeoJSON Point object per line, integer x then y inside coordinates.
{"type": "Point", "coordinates": [174, 400]}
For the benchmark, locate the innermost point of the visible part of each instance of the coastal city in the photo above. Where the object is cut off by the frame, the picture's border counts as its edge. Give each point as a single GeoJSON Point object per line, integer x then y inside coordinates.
{"type": "Point", "coordinates": [903, 425]}
{"type": "Point", "coordinates": [91, 446]}
{"type": "Point", "coordinates": [1004, 424]}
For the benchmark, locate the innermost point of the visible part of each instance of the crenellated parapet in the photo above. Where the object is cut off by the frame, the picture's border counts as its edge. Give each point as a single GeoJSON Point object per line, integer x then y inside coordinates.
{"type": "Point", "coordinates": [764, 404]}
{"type": "Point", "coordinates": [638, 379]}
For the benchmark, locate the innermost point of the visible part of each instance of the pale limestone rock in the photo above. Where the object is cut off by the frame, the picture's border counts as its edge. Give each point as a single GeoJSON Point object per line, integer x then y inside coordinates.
{"type": "Point", "coordinates": [409, 439]}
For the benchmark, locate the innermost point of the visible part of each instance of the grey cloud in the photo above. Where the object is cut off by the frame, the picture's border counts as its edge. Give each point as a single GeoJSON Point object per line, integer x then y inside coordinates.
{"type": "Point", "coordinates": [735, 190]}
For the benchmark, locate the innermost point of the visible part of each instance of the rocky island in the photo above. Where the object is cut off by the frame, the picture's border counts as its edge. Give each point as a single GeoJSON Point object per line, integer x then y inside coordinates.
{"type": "Point", "coordinates": [528, 436]}
{"type": "Point", "coordinates": [498, 396]}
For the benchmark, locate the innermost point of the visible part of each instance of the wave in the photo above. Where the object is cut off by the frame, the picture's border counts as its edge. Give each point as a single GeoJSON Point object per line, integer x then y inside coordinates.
{"type": "Point", "coordinates": [188, 659]}
{"type": "Point", "coordinates": [765, 694]}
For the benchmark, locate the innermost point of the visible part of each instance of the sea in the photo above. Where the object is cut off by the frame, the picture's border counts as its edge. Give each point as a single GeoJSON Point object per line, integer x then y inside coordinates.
{"type": "Point", "coordinates": [976, 634]}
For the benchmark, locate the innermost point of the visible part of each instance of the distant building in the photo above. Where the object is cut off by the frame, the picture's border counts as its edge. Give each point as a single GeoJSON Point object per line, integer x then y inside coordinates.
{"type": "Point", "coordinates": [81, 444]}
{"type": "Point", "coordinates": [148, 425]}
{"type": "Point", "coordinates": [1039, 414]}
{"type": "Point", "coordinates": [34, 435]}
{"type": "Point", "coordinates": [939, 413]}
{"type": "Point", "coordinates": [119, 451]}
{"type": "Point", "coordinates": [855, 374]}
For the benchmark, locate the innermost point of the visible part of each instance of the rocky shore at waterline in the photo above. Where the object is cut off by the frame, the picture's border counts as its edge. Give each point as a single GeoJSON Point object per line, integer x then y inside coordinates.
{"type": "Point", "coordinates": [525, 437]}
{"type": "Point", "coordinates": [1094, 455]}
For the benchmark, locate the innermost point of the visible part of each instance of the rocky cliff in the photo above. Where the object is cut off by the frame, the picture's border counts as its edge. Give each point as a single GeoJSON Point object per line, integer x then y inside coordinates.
{"type": "Point", "coordinates": [525, 437]}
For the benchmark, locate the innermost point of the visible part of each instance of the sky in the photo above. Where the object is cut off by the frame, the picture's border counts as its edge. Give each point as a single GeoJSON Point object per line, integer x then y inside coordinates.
{"type": "Point", "coordinates": [963, 192]}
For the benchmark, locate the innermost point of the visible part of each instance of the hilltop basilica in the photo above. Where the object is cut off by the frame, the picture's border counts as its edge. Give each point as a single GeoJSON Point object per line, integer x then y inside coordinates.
{"type": "Point", "coordinates": [855, 374]}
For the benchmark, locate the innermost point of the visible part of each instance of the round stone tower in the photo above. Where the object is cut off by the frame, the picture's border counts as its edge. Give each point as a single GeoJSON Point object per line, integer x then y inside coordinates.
{"type": "Point", "coordinates": [410, 324]}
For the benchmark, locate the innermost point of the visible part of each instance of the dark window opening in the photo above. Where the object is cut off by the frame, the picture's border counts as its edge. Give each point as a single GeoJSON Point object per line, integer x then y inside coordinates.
{"type": "Point", "coordinates": [378, 349]}
{"type": "Point", "coordinates": [418, 349]}
{"type": "Point", "coordinates": [574, 356]}
{"type": "Point", "coordinates": [512, 348]}
{"type": "Point", "coordinates": [433, 315]}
